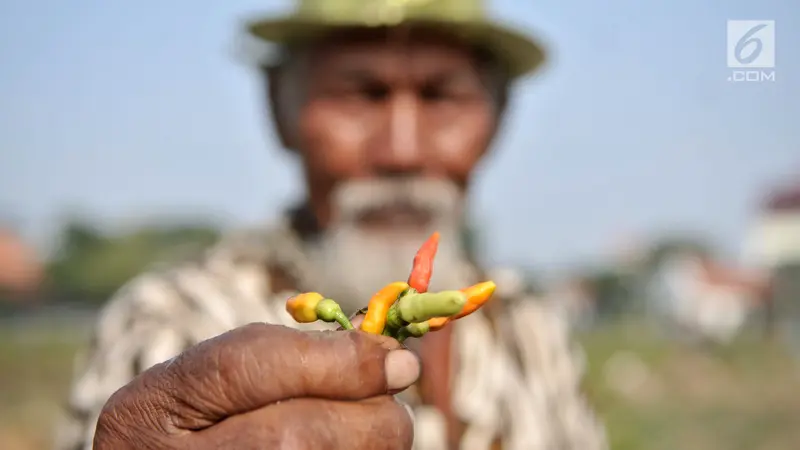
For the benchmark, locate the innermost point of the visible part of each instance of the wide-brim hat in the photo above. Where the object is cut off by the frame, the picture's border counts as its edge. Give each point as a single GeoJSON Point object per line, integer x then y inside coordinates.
{"type": "Point", "coordinates": [466, 19]}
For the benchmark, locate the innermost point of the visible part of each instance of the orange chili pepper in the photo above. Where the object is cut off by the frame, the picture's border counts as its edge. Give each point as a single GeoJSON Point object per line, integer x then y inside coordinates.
{"type": "Point", "coordinates": [375, 319]}
{"type": "Point", "coordinates": [477, 296]}
{"type": "Point", "coordinates": [437, 323]}
{"type": "Point", "coordinates": [303, 307]}
{"type": "Point", "coordinates": [422, 268]}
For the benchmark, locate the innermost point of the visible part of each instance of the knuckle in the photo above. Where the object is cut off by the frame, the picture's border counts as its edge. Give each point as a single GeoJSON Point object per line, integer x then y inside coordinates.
{"type": "Point", "coordinates": [398, 424]}
{"type": "Point", "coordinates": [142, 404]}
{"type": "Point", "coordinates": [117, 420]}
{"type": "Point", "coordinates": [108, 429]}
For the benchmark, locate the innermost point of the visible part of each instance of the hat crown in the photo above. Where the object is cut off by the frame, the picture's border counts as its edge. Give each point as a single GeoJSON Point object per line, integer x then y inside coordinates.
{"type": "Point", "coordinates": [467, 19]}
{"type": "Point", "coordinates": [391, 11]}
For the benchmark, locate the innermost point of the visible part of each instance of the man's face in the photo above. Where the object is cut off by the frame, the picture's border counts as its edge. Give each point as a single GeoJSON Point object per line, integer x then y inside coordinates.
{"type": "Point", "coordinates": [390, 131]}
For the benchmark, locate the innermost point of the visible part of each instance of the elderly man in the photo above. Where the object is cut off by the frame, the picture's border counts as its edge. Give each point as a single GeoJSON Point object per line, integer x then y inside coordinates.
{"type": "Point", "coordinates": [389, 106]}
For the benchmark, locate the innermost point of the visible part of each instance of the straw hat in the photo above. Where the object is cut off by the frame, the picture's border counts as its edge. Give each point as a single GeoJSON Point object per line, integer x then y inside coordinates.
{"type": "Point", "coordinates": [467, 19]}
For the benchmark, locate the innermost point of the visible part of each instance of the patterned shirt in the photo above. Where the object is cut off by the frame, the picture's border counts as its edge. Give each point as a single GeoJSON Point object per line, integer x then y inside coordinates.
{"type": "Point", "coordinates": [517, 379]}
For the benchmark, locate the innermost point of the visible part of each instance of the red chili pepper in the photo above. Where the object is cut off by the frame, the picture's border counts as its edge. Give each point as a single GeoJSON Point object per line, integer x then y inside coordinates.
{"type": "Point", "coordinates": [422, 269]}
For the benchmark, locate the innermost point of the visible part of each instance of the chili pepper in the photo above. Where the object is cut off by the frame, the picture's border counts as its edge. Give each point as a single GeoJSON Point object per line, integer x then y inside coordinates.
{"type": "Point", "coordinates": [375, 319]}
{"type": "Point", "coordinates": [422, 268]}
{"type": "Point", "coordinates": [419, 307]}
{"type": "Point", "coordinates": [312, 306]}
{"type": "Point", "coordinates": [416, 330]}
{"type": "Point", "coordinates": [437, 323]}
{"type": "Point", "coordinates": [303, 307]}
{"type": "Point", "coordinates": [477, 295]}
{"type": "Point", "coordinates": [330, 311]}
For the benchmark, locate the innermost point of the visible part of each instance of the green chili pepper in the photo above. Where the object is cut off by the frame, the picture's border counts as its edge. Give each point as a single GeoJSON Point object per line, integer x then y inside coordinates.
{"type": "Point", "coordinates": [416, 330]}
{"type": "Point", "coordinates": [330, 311]}
{"type": "Point", "coordinates": [413, 308]}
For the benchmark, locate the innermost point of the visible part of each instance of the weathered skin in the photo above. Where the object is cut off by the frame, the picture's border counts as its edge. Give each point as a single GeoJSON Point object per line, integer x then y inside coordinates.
{"type": "Point", "coordinates": [215, 395]}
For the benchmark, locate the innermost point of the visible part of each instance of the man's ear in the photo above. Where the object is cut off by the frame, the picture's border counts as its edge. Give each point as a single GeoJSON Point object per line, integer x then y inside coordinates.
{"type": "Point", "coordinates": [272, 80]}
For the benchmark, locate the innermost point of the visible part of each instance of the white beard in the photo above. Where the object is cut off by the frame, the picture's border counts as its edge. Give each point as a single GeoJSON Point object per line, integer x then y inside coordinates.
{"type": "Point", "coordinates": [351, 264]}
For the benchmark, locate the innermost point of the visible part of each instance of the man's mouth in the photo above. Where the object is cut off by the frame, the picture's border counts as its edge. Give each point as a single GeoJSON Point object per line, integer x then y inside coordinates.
{"type": "Point", "coordinates": [388, 218]}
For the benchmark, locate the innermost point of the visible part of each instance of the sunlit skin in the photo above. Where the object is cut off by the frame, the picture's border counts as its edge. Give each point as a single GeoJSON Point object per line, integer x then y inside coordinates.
{"type": "Point", "coordinates": [391, 104]}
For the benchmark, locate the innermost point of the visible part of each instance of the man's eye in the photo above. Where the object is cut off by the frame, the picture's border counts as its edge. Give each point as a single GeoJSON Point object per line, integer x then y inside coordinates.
{"type": "Point", "coordinates": [375, 93]}
{"type": "Point", "coordinates": [435, 94]}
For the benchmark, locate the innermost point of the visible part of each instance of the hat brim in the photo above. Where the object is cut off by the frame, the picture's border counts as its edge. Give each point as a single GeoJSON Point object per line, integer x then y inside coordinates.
{"type": "Point", "coordinates": [521, 54]}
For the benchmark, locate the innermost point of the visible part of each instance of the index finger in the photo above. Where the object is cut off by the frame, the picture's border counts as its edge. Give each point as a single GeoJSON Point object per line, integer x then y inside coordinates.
{"type": "Point", "coordinates": [259, 364]}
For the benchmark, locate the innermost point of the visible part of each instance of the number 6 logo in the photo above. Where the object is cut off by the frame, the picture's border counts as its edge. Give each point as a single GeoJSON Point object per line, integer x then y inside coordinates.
{"type": "Point", "coordinates": [746, 40]}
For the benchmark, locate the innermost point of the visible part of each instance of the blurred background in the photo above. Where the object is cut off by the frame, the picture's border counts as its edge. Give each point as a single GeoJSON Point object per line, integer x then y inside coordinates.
{"type": "Point", "coordinates": [661, 206]}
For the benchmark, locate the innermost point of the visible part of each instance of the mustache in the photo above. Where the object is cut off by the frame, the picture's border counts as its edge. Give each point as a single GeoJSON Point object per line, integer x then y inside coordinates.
{"type": "Point", "coordinates": [436, 198]}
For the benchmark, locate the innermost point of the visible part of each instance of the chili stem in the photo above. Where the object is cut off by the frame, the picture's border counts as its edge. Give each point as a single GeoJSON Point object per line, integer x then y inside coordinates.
{"type": "Point", "coordinates": [329, 311]}
{"type": "Point", "coordinates": [344, 322]}
{"type": "Point", "coordinates": [402, 335]}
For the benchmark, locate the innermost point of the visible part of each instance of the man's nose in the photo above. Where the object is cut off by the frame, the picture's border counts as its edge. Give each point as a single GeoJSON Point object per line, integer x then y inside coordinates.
{"type": "Point", "coordinates": [400, 151]}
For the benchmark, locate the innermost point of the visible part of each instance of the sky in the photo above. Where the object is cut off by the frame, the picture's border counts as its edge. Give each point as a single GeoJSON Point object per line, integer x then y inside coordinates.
{"type": "Point", "coordinates": [128, 110]}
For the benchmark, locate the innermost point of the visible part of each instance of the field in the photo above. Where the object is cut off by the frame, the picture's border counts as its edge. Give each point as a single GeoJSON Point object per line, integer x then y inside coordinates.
{"type": "Point", "coordinates": [662, 395]}
{"type": "Point", "coordinates": [652, 394]}
{"type": "Point", "coordinates": [36, 363]}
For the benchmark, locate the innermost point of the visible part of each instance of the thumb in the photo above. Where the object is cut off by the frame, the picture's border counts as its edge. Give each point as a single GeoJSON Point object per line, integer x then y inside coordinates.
{"type": "Point", "coordinates": [260, 364]}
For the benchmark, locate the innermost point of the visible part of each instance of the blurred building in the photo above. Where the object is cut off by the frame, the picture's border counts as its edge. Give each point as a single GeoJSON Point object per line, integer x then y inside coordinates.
{"type": "Point", "coordinates": [774, 245]}
{"type": "Point", "coordinates": [709, 298]}
{"type": "Point", "coordinates": [21, 272]}
{"type": "Point", "coordinates": [774, 241]}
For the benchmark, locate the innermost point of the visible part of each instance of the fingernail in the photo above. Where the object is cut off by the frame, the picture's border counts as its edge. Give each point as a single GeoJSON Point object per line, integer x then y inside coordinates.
{"type": "Point", "coordinates": [402, 369]}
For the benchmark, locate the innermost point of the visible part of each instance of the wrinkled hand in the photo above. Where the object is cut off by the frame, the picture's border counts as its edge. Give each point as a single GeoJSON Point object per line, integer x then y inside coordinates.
{"type": "Point", "coordinates": [268, 387]}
